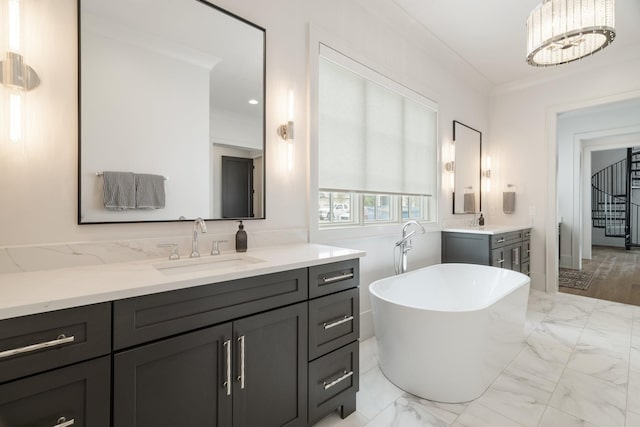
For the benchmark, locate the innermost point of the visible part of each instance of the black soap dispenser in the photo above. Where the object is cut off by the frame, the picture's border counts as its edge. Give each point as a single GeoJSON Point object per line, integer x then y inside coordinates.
{"type": "Point", "coordinates": [241, 239]}
{"type": "Point", "coordinates": [481, 220]}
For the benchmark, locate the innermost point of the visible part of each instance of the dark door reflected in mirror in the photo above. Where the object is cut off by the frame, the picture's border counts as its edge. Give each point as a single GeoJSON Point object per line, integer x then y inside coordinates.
{"type": "Point", "coordinates": [237, 187]}
{"type": "Point", "coordinates": [168, 90]}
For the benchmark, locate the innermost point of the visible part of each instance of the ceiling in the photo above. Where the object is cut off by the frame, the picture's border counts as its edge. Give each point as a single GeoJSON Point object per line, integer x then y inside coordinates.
{"type": "Point", "coordinates": [490, 35]}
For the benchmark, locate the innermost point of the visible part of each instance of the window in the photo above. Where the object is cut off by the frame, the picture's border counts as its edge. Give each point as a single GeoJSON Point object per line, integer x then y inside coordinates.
{"type": "Point", "coordinates": [376, 146]}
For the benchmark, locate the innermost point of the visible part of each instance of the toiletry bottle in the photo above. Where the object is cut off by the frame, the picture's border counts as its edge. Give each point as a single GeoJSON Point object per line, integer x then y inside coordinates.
{"type": "Point", "coordinates": [481, 220]}
{"type": "Point", "coordinates": [241, 239]}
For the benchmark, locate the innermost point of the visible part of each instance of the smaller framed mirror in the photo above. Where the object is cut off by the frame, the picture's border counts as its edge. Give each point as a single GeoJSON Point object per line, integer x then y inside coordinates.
{"type": "Point", "coordinates": [467, 197]}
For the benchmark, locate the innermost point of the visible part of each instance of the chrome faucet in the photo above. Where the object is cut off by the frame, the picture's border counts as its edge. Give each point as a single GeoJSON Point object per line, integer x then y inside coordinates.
{"type": "Point", "coordinates": [199, 222]}
{"type": "Point", "coordinates": [405, 245]}
{"type": "Point", "coordinates": [474, 220]}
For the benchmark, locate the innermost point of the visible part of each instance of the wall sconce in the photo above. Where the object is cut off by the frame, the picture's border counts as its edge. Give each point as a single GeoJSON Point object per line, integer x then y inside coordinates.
{"type": "Point", "coordinates": [15, 76]}
{"type": "Point", "coordinates": [286, 132]}
{"type": "Point", "coordinates": [486, 173]}
{"type": "Point", "coordinates": [450, 166]}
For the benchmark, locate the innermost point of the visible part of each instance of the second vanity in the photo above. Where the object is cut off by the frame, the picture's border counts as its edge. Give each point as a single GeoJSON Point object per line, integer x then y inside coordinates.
{"type": "Point", "coordinates": [500, 246]}
{"type": "Point", "coordinates": [270, 339]}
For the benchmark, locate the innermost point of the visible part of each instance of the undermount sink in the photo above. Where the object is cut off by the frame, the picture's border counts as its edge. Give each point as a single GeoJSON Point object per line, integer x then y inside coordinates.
{"type": "Point", "coordinates": [213, 262]}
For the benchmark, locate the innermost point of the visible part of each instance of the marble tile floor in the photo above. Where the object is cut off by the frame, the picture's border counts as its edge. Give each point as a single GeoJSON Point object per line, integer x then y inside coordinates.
{"type": "Point", "coordinates": [580, 366]}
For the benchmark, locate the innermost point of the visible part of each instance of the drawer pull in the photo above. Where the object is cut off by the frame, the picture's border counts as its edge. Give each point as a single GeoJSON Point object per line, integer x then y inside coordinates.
{"type": "Point", "coordinates": [344, 319]}
{"type": "Point", "coordinates": [500, 240]}
{"type": "Point", "coordinates": [227, 382]}
{"type": "Point", "coordinates": [62, 422]}
{"type": "Point", "coordinates": [62, 339]}
{"type": "Point", "coordinates": [346, 375]}
{"type": "Point", "coordinates": [343, 276]}
{"type": "Point", "coordinates": [527, 234]}
{"type": "Point", "coordinates": [241, 376]}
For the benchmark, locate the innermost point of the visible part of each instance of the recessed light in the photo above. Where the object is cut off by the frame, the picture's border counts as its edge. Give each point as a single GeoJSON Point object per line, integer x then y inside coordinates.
{"type": "Point", "coordinates": [253, 101]}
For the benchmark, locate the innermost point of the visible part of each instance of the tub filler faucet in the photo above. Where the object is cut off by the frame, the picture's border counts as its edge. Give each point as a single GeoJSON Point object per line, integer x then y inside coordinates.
{"type": "Point", "coordinates": [405, 246]}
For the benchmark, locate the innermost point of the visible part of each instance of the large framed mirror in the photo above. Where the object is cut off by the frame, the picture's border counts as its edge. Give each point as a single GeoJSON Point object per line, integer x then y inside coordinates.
{"type": "Point", "coordinates": [467, 197]}
{"type": "Point", "coordinates": [171, 112]}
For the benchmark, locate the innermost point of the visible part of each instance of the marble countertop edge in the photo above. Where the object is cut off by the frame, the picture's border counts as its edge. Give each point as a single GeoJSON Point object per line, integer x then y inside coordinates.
{"type": "Point", "coordinates": [48, 290]}
{"type": "Point", "coordinates": [488, 229]}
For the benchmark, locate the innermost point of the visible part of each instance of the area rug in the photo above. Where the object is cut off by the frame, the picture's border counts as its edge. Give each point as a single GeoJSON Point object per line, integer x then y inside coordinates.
{"type": "Point", "coordinates": [576, 279]}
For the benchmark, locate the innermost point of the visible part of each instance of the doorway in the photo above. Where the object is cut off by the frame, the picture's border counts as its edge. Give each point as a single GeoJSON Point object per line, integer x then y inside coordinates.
{"type": "Point", "coordinates": [237, 187]}
{"type": "Point", "coordinates": [584, 137]}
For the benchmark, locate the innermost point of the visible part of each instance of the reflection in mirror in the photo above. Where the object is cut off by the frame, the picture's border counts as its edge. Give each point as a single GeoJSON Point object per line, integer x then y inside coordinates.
{"type": "Point", "coordinates": [467, 197]}
{"type": "Point", "coordinates": [172, 100]}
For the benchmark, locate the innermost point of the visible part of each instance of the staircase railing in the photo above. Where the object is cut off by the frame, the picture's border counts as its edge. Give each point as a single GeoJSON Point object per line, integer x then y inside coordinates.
{"type": "Point", "coordinates": [611, 208]}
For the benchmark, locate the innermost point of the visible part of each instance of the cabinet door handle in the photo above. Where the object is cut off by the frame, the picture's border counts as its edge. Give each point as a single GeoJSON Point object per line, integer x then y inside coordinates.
{"type": "Point", "coordinates": [328, 385]}
{"type": "Point", "coordinates": [227, 382]}
{"type": "Point", "coordinates": [62, 422]}
{"type": "Point", "coordinates": [342, 320]}
{"type": "Point", "coordinates": [516, 256]}
{"type": "Point", "coordinates": [343, 276]}
{"type": "Point", "coordinates": [62, 339]}
{"type": "Point", "coordinates": [500, 261]}
{"type": "Point", "coordinates": [241, 376]}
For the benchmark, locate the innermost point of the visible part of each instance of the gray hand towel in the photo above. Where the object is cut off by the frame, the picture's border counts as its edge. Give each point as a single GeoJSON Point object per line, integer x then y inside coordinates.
{"type": "Point", "coordinates": [469, 202]}
{"type": "Point", "coordinates": [119, 190]}
{"type": "Point", "coordinates": [149, 191]}
{"type": "Point", "coordinates": [508, 202]}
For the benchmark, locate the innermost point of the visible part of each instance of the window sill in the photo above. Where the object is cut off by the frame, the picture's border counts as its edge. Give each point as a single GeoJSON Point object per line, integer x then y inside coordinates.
{"type": "Point", "coordinates": [350, 232]}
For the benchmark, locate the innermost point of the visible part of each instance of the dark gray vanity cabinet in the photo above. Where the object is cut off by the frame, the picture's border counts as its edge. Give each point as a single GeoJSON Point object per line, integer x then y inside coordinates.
{"type": "Point", "coordinates": [176, 381]}
{"type": "Point", "coordinates": [274, 350]}
{"type": "Point", "coordinates": [55, 368]}
{"type": "Point", "coordinates": [271, 371]}
{"type": "Point", "coordinates": [252, 370]}
{"type": "Point", "coordinates": [253, 366]}
{"type": "Point", "coordinates": [506, 250]}
{"type": "Point", "coordinates": [334, 328]}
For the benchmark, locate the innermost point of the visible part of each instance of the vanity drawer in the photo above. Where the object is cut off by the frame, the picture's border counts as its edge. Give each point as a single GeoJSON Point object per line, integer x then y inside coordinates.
{"type": "Point", "coordinates": [499, 240]}
{"type": "Point", "coordinates": [329, 278]}
{"type": "Point", "coordinates": [333, 380]}
{"type": "Point", "coordinates": [150, 317]}
{"type": "Point", "coordinates": [36, 343]}
{"type": "Point", "coordinates": [78, 395]}
{"type": "Point", "coordinates": [333, 321]}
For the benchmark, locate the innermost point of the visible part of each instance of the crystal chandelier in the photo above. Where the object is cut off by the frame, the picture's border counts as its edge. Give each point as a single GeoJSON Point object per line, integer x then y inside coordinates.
{"type": "Point", "coordinates": [561, 31]}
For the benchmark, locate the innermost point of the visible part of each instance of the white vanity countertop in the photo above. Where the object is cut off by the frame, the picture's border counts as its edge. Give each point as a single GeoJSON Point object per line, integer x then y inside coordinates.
{"type": "Point", "coordinates": [40, 291]}
{"type": "Point", "coordinates": [487, 229]}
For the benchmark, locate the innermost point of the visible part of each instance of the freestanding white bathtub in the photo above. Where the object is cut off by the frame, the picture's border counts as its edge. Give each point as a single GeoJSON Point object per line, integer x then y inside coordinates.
{"type": "Point", "coordinates": [446, 332]}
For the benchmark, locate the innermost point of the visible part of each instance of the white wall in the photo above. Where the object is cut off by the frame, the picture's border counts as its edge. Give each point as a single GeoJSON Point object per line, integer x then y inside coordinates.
{"type": "Point", "coordinates": [39, 181]}
{"type": "Point", "coordinates": [230, 128]}
{"type": "Point", "coordinates": [523, 145]}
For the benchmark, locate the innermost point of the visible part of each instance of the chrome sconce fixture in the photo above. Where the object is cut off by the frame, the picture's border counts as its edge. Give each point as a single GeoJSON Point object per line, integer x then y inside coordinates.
{"type": "Point", "coordinates": [286, 131]}
{"type": "Point", "coordinates": [450, 166]}
{"type": "Point", "coordinates": [486, 173]}
{"type": "Point", "coordinates": [15, 75]}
